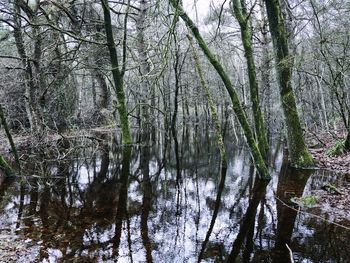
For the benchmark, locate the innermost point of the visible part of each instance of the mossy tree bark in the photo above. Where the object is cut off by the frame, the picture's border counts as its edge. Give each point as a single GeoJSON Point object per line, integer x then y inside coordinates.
{"type": "Point", "coordinates": [31, 79]}
{"type": "Point", "coordinates": [299, 153]}
{"type": "Point", "coordinates": [240, 12]}
{"type": "Point", "coordinates": [117, 75]}
{"type": "Point", "coordinates": [236, 105]}
{"type": "Point", "coordinates": [4, 167]}
{"type": "Point", "coordinates": [9, 136]}
{"type": "Point", "coordinates": [347, 141]}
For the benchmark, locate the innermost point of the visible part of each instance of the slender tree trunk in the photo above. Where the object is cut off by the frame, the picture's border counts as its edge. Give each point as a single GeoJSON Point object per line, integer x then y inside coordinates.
{"type": "Point", "coordinates": [211, 103]}
{"type": "Point", "coordinates": [5, 168]}
{"type": "Point", "coordinates": [177, 88]}
{"type": "Point", "coordinates": [242, 17]}
{"type": "Point", "coordinates": [144, 67]}
{"type": "Point", "coordinates": [30, 87]}
{"type": "Point", "coordinates": [323, 104]}
{"type": "Point", "coordinates": [117, 76]}
{"type": "Point", "coordinates": [101, 89]}
{"type": "Point", "coordinates": [347, 141]}
{"type": "Point", "coordinates": [299, 153]}
{"type": "Point", "coordinates": [236, 105]}
{"type": "Point", "coordinates": [9, 136]}
{"type": "Point", "coordinates": [98, 57]}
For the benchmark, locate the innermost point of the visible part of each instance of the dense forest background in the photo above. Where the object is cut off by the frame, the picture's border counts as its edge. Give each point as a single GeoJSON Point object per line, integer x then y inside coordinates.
{"type": "Point", "coordinates": [68, 65]}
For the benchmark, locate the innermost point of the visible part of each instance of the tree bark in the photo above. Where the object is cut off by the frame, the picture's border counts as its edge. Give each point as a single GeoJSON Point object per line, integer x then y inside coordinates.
{"type": "Point", "coordinates": [117, 76]}
{"type": "Point", "coordinates": [144, 67]}
{"type": "Point", "coordinates": [5, 168]}
{"type": "Point", "coordinates": [242, 17]}
{"type": "Point", "coordinates": [236, 105]}
{"type": "Point", "coordinates": [30, 86]}
{"type": "Point", "coordinates": [347, 141]}
{"type": "Point", "coordinates": [299, 153]}
{"type": "Point", "coordinates": [9, 136]}
{"type": "Point", "coordinates": [98, 58]}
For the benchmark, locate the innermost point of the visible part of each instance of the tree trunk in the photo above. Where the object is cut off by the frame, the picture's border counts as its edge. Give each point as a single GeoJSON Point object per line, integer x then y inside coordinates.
{"type": "Point", "coordinates": [218, 130]}
{"type": "Point", "coordinates": [9, 136]}
{"type": "Point", "coordinates": [236, 105]}
{"type": "Point", "coordinates": [5, 168]}
{"type": "Point", "coordinates": [30, 85]}
{"type": "Point", "coordinates": [347, 141]}
{"type": "Point", "coordinates": [177, 88]}
{"type": "Point", "coordinates": [144, 67]}
{"type": "Point", "coordinates": [98, 59]}
{"type": "Point", "coordinates": [299, 153]}
{"type": "Point", "coordinates": [242, 17]}
{"type": "Point", "coordinates": [117, 76]}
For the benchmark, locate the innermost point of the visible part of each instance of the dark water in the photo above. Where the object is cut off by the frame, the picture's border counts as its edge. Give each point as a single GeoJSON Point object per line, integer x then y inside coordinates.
{"type": "Point", "coordinates": [155, 204]}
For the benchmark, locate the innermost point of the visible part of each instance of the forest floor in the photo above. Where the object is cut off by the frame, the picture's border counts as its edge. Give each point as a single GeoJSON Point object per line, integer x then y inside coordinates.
{"type": "Point", "coordinates": [333, 202]}
{"type": "Point", "coordinates": [321, 145]}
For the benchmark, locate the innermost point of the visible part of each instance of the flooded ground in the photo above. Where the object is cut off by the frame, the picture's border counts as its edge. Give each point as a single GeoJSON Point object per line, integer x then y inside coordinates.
{"type": "Point", "coordinates": [103, 203]}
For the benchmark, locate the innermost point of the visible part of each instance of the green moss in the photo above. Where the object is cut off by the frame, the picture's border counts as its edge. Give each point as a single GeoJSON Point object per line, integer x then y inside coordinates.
{"type": "Point", "coordinates": [305, 159]}
{"type": "Point", "coordinates": [307, 201]}
{"type": "Point", "coordinates": [337, 149]}
{"type": "Point", "coordinates": [236, 105]}
{"type": "Point", "coordinates": [299, 154]}
{"type": "Point", "coordinates": [4, 167]}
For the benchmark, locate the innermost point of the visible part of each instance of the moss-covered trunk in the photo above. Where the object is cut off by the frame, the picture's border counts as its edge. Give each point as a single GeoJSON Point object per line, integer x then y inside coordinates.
{"type": "Point", "coordinates": [299, 153]}
{"type": "Point", "coordinates": [236, 105]}
{"type": "Point", "coordinates": [9, 136]}
{"type": "Point", "coordinates": [347, 141]}
{"type": "Point", "coordinates": [4, 167]}
{"type": "Point", "coordinates": [242, 17]}
{"type": "Point", "coordinates": [117, 76]}
{"type": "Point", "coordinates": [31, 83]}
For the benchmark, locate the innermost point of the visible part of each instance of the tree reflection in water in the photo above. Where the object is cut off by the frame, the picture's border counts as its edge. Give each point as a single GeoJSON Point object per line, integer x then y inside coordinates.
{"type": "Point", "coordinates": [152, 203]}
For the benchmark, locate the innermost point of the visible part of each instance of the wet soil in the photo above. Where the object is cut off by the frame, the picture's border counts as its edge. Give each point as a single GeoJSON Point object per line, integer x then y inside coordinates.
{"type": "Point", "coordinates": [320, 144]}
{"type": "Point", "coordinates": [335, 207]}
{"type": "Point", "coordinates": [332, 205]}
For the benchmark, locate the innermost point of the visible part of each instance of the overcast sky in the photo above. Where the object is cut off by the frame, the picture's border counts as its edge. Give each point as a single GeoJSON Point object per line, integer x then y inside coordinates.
{"type": "Point", "coordinates": [202, 8]}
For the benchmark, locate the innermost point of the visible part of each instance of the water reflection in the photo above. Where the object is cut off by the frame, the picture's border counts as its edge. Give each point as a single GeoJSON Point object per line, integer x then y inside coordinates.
{"type": "Point", "coordinates": [291, 183]}
{"type": "Point", "coordinates": [170, 202]}
{"type": "Point", "coordinates": [246, 231]}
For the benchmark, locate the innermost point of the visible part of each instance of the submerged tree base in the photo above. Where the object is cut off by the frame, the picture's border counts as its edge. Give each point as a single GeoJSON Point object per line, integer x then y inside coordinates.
{"type": "Point", "coordinates": [305, 160]}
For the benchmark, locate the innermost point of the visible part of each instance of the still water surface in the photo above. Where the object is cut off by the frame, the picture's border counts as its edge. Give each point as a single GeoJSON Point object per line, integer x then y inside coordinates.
{"type": "Point", "coordinates": [103, 203]}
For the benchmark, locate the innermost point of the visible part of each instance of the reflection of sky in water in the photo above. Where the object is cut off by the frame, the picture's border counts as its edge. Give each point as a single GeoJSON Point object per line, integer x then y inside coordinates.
{"type": "Point", "coordinates": [178, 218]}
